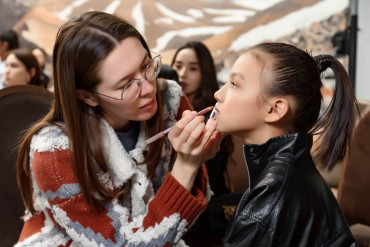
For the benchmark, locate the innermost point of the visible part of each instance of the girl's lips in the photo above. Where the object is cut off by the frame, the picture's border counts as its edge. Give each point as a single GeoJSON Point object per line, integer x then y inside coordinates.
{"type": "Point", "coordinates": [183, 85]}
{"type": "Point", "coordinates": [216, 112]}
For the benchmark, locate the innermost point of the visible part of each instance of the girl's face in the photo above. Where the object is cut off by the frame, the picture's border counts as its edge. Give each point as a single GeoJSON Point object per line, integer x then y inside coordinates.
{"type": "Point", "coordinates": [126, 62]}
{"type": "Point", "coordinates": [240, 105]}
{"type": "Point", "coordinates": [187, 67]}
{"type": "Point", "coordinates": [16, 73]}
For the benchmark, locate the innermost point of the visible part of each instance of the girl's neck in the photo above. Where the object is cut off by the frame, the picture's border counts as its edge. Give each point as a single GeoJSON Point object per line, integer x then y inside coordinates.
{"type": "Point", "coordinates": [262, 135]}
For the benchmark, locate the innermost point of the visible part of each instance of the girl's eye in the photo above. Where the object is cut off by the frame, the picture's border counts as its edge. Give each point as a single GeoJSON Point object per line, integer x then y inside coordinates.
{"type": "Point", "coordinates": [233, 84]}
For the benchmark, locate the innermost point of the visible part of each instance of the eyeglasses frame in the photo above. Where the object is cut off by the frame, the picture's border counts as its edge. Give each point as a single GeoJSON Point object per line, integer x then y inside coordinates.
{"type": "Point", "coordinates": [135, 80]}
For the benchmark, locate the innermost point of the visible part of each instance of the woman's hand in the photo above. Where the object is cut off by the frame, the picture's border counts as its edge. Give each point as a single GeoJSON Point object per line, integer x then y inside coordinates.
{"type": "Point", "coordinates": [194, 143]}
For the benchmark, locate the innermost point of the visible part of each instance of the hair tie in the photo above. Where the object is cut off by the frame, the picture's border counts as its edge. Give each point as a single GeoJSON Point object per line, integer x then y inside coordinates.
{"type": "Point", "coordinates": [323, 62]}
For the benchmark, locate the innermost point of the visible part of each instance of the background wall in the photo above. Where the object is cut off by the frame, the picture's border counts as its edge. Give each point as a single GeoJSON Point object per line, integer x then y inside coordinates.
{"type": "Point", "coordinates": [227, 27]}
{"type": "Point", "coordinates": [363, 51]}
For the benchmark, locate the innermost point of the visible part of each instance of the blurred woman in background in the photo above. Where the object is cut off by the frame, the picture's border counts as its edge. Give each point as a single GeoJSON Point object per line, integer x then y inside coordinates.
{"type": "Point", "coordinates": [194, 65]}
{"type": "Point", "coordinates": [22, 68]}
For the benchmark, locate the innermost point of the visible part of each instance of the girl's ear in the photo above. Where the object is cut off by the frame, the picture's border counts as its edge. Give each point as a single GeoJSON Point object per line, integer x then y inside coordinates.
{"type": "Point", "coordinates": [277, 109]}
{"type": "Point", "coordinates": [86, 97]}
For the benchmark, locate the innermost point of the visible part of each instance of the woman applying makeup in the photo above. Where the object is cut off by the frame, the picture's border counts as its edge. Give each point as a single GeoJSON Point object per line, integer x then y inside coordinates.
{"type": "Point", "coordinates": [86, 175]}
{"type": "Point", "coordinates": [272, 100]}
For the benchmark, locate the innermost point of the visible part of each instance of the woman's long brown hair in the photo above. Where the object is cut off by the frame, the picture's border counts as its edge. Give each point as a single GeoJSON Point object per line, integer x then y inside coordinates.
{"type": "Point", "coordinates": [81, 45]}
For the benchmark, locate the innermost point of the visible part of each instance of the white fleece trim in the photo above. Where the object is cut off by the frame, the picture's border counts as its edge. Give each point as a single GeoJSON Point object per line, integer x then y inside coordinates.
{"type": "Point", "coordinates": [133, 238]}
{"type": "Point", "coordinates": [160, 229]}
{"type": "Point", "coordinates": [121, 166]}
{"type": "Point", "coordinates": [52, 240]}
{"type": "Point", "coordinates": [62, 218]}
{"type": "Point", "coordinates": [49, 138]}
{"type": "Point", "coordinates": [181, 243]}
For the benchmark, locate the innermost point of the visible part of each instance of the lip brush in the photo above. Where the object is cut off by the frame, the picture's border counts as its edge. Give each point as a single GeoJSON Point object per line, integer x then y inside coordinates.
{"type": "Point", "coordinates": [165, 132]}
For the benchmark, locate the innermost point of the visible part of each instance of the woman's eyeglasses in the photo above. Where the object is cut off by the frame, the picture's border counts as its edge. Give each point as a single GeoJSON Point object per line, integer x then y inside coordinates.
{"type": "Point", "coordinates": [132, 89]}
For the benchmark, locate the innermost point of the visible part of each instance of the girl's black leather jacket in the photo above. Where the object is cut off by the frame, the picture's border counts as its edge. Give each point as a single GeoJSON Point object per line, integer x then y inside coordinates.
{"type": "Point", "coordinates": [288, 203]}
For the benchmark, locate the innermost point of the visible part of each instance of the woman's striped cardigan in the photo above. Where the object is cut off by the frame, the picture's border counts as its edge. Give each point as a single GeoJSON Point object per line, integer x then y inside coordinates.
{"type": "Point", "coordinates": [153, 212]}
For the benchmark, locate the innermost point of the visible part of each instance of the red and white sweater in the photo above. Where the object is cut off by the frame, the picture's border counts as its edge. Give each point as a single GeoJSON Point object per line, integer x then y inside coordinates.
{"type": "Point", "coordinates": [140, 217]}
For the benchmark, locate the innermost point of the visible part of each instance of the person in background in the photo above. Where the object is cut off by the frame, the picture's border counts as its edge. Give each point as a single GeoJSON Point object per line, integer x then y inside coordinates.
{"type": "Point", "coordinates": [272, 101]}
{"type": "Point", "coordinates": [85, 172]}
{"type": "Point", "coordinates": [22, 68]}
{"type": "Point", "coordinates": [196, 71]}
{"type": "Point", "coordinates": [8, 41]}
{"type": "Point", "coordinates": [41, 55]}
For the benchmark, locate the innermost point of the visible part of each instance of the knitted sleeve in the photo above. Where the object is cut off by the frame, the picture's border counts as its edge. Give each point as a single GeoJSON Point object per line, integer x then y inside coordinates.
{"type": "Point", "coordinates": [66, 219]}
{"type": "Point", "coordinates": [201, 181]}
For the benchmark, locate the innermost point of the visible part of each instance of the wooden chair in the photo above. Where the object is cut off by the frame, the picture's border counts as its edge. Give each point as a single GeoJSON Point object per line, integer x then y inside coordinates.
{"type": "Point", "coordinates": [20, 106]}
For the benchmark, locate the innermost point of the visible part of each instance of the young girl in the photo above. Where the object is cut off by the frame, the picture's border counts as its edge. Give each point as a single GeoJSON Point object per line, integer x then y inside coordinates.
{"type": "Point", "coordinates": [85, 172]}
{"type": "Point", "coordinates": [272, 100]}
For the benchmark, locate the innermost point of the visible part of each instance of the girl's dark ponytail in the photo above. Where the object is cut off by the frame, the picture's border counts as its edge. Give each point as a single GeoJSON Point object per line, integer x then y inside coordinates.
{"type": "Point", "coordinates": [323, 62]}
{"type": "Point", "coordinates": [336, 124]}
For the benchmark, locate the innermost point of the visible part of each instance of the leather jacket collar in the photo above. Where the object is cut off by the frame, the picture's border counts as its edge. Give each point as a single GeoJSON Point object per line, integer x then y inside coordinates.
{"type": "Point", "coordinates": [257, 156]}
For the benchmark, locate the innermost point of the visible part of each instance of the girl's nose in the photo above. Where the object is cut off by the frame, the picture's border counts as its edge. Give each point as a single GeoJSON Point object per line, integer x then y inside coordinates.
{"type": "Point", "coordinates": [182, 72]}
{"type": "Point", "coordinates": [217, 94]}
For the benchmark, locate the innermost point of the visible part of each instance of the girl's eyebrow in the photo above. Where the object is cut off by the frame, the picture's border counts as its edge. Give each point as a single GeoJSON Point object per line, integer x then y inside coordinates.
{"type": "Point", "coordinates": [236, 74]}
{"type": "Point", "coordinates": [181, 62]}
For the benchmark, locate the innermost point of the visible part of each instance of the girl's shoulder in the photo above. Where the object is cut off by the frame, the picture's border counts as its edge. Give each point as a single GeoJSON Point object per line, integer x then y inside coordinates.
{"type": "Point", "coordinates": [49, 138]}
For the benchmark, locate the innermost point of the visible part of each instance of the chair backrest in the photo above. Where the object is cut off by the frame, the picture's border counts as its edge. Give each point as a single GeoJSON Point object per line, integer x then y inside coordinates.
{"type": "Point", "coordinates": [354, 183]}
{"type": "Point", "coordinates": [20, 106]}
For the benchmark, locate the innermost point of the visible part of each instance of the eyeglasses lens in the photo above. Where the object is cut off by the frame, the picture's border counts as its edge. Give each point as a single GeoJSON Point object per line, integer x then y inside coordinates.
{"type": "Point", "coordinates": [133, 88]}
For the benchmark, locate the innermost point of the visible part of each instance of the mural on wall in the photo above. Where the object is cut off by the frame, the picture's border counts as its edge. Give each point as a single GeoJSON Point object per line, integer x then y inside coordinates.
{"type": "Point", "coordinates": [225, 26]}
